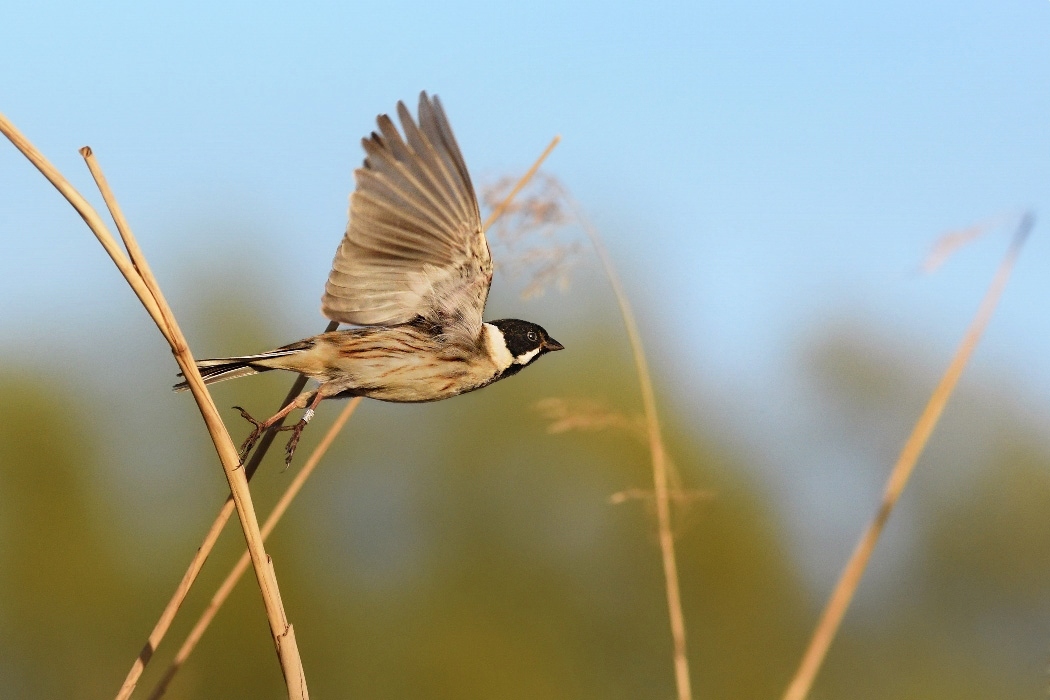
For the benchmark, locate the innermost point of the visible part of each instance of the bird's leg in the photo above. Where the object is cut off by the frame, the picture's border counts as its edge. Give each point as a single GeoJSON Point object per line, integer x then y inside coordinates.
{"type": "Point", "coordinates": [261, 427]}
{"type": "Point", "coordinates": [297, 429]}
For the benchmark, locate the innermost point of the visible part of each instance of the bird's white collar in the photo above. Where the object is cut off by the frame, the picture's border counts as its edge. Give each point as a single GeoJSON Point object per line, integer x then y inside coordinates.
{"type": "Point", "coordinates": [496, 347]}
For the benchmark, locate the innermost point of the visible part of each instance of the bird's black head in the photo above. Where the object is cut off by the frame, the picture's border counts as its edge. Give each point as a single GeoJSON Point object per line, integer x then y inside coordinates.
{"type": "Point", "coordinates": [525, 341]}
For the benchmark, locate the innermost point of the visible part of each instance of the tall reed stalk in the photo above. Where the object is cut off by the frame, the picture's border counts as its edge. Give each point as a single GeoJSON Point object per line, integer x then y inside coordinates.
{"type": "Point", "coordinates": [133, 266]}
{"type": "Point", "coordinates": [842, 595]}
{"type": "Point", "coordinates": [658, 457]}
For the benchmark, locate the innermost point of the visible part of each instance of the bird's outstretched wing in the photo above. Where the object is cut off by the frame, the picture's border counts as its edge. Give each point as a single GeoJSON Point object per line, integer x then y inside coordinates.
{"type": "Point", "coordinates": [414, 246]}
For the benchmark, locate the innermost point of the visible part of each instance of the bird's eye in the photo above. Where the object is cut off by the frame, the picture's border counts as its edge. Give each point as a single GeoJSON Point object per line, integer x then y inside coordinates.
{"type": "Point", "coordinates": [531, 335]}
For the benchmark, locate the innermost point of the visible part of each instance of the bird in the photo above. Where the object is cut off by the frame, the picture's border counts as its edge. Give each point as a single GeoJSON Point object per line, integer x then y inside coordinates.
{"type": "Point", "coordinates": [411, 276]}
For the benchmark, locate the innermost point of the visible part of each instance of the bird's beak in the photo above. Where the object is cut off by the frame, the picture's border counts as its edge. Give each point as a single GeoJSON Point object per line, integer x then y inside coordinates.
{"type": "Point", "coordinates": [550, 345]}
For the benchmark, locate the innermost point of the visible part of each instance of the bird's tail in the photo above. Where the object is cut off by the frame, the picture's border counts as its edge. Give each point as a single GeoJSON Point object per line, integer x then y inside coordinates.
{"type": "Point", "coordinates": [223, 368]}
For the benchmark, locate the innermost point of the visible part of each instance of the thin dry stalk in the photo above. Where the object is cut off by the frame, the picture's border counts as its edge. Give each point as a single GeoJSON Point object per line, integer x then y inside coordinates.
{"type": "Point", "coordinates": [150, 296]}
{"type": "Point", "coordinates": [204, 550]}
{"type": "Point", "coordinates": [281, 630]}
{"type": "Point", "coordinates": [167, 616]}
{"type": "Point", "coordinates": [87, 213]}
{"type": "Point", "coordinates": [502, 206]}
{"type": "Point", "coordinates": [659, 460]}
{"type": "Point", "coordinates": [242, 565]}
{"type": "Point", "coordinates": [851, 575]}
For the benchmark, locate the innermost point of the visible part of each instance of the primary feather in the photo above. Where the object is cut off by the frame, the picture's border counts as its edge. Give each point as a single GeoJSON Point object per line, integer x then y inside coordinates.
{"type": "Point", "coordinates": [414, 247]}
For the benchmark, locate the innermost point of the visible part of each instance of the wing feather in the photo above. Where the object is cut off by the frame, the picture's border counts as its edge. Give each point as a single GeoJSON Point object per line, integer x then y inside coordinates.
{"type": "Point", "coordinates": [405, 174]}
{"type": "Point", "coordinates": [414, 245]}
{"type": "Point", "coordinates": [444, 195]}
{"type": "Point", "coordinates": [437, 173]}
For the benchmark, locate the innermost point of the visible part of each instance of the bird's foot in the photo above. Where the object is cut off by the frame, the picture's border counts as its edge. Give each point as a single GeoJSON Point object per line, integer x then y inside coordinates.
{"type": "Point", "coordinates": [257, 430]}
{"type": "Point", "coordinates": [297, 432]}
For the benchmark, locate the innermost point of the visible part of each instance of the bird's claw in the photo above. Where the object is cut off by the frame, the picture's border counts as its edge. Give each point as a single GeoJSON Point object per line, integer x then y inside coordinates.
{"type": "Point", "coordinates": [293, 442]}
{"type": "Point", "coordinates": [253, 437]}
{"type": "Point", "coordinates": [259, 427]}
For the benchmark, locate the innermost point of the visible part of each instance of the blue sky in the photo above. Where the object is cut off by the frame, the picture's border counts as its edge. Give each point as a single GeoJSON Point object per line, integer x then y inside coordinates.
{"type": "Point", "coordinates": [758, 168]}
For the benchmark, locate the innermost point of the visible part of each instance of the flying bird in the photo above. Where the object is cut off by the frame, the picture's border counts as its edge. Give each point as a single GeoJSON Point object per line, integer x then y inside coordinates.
{"type": "Point", "coordinates": [412, 274]}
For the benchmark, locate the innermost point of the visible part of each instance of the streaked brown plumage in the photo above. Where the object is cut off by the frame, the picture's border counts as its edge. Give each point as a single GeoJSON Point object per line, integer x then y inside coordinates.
{"type": "Point", "coordinates": [414, 268]}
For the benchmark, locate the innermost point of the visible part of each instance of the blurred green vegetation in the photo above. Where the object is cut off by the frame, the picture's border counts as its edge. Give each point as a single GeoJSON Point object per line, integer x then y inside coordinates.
{"type": "Point", "coordinates": [458, 550]}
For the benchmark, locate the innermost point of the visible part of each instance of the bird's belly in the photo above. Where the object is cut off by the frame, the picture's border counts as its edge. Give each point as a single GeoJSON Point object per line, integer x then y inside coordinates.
{"type": "Point", "coordinates": [411, 379]}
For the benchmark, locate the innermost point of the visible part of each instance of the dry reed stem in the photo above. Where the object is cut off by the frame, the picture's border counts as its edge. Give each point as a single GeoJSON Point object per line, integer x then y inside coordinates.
{"type": "Point", "coordinates": [167, 615]}
{"type": "Point", "coordinates": [659, 460]}
{"type": "Point", "coordinates": [153, 300]}
{"type": "Point", "coordinates": [281, 630]}
{"type": "Point", "coordinates": [87, 213]}
{"type": "Point", "coordinates": [498, 211]}
{"type": "Point", "coordinates": [851, 575]}
{"type": "Point", "coordinates": [241, 566]}
{"type": "Point", "coordinates": [211, 537]}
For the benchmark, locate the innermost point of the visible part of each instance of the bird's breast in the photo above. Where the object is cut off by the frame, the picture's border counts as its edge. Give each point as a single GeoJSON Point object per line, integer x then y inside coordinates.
{"type": "Point", "coordinates": [404, 366]}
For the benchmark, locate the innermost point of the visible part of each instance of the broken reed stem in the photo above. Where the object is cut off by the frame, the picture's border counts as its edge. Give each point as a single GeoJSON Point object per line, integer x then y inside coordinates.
{"type": "Point", "coordinates": [167, 616]}
{"type": "Point", "coordinates": [851, 575]}
{"type": "Point", "coordinates": [152, 299]}
{"type": "Point", "coordinates": [659, 460]}
{"type": "Point", "coordinates": [241, 566]}
{"type": "Point", "coordinates": [208, 544]}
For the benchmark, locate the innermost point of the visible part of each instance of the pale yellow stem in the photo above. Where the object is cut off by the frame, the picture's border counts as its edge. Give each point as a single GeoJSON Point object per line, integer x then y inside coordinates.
{"type": "Point", "coordinates": [838, 603]}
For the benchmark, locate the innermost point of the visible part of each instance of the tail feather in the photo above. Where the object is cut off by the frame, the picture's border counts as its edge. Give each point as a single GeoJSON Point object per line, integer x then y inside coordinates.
{"type": "Point", "coordinates": [222, 368]}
